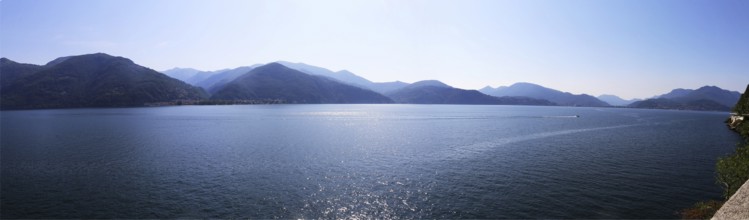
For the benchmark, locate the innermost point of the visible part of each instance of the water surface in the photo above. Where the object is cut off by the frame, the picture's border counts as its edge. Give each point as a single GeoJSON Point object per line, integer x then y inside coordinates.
{"type": "Point", "coordinates": [348, 161]}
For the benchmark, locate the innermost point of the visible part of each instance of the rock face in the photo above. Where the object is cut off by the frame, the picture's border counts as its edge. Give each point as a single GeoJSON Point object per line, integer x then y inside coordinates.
{"type": "Point", "coordinates": [93, 80]}
{"type": "Point", "coordinates": [276, 81]}
{"type": "Point", "coordinates": [737, 207]}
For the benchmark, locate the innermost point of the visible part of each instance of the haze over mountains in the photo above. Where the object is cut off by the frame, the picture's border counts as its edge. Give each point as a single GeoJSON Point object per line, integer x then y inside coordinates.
{"type": "Point", "coordinates": [101, 80]}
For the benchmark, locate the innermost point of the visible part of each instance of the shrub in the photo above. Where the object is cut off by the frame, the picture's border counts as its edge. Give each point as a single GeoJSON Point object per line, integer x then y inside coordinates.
{"type": "Point", "coordinates": [733, 171]}
{"type": "Point", "coordinates": [701, 210]}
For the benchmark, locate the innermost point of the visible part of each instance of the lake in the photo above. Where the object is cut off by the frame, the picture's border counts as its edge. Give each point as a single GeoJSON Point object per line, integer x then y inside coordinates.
{"type": "Point", "coordinates": [358, 161]}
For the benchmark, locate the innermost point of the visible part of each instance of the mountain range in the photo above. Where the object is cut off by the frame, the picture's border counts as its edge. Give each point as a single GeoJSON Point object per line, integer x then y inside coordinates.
{"type": "Point", "coordinates": [706, 98]}
{"type": "Point", "coordinates": [101, 80]}
{"type": "Point", "coordinates": [276, 81]}
{"type": "Point", "coordinates": [539, 92]}
{"type": "Point", "coordinates": [347, 77]}
{"type": "Point", "coordinates": [436, 92]}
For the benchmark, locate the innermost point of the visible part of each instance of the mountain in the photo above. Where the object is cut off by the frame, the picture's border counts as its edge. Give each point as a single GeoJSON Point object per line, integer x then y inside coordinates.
{"type": "Point", "coordinates": [714, 93]}
{"type": "Point", "coordinates": [386, 87]}
{"type": "Point", "coordinates": [200, 76]}
{"type": "Point", "coordinates": [276, 81]}
{"type": "Point", "coordinates": [739, 122]}
{"type": "Point", "coordinates": [347, 77]}
{"type": "Point", "coordinates": [616, 100]}
{"type": "Point", "coordinates": [11, 71]}
{"type": "Point", "coordinates": [742, 106]}
{"type": "Point", "coordinates": [218, 79]}
{"type": "Point", "coordinates": [674, 94]}
{"type": "Point", "coordinates": [343, 75]}
{"type": "Point", "coordinates": [706, 98]}
{"type": "Point", "coordinates": [540, 92]}
{"type": "Point", "coordinates": [436, 92]}
{"type": "Point", "coordinates": [181, 73]}
{"type": "Point", "coordinates": [92, 80]}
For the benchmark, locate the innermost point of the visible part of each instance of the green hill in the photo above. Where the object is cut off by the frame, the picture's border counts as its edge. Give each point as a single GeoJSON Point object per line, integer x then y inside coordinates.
{"type": "Point", "coordinates": [92, 80]}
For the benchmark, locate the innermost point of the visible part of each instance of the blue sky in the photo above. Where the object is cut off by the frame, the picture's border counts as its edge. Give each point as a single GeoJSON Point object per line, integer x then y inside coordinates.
{"type": "Point", "coordinates": [631, 48]}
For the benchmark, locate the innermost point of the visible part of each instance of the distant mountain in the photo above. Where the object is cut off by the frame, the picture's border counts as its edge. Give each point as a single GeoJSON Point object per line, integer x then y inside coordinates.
{"type": "Point", "coordinates": [347, 77]}
{"type": "Point", "coordinates": [343, 75]}
{"type": "Point", "coordinates": [218, 79]}
{"type": "Point", "coordinates": [181, 73]}
{"type": "Point", "coordinates": [706, 98]}
{"type": "Point", "coordinates": [93, 80]}
{"type": "Point", "coordinates": [202, 75]}
{"type": "Point", "coordinates": [675, 93]}
{"type": "Point", "coordinates": [436, 92]}
{"type": "Point", "coordinates": [540, 92]}
{"type": "Point", "coordinates": [11, 71]}
{"type": "Point", "coordinates": [276, 81]}
{"type": "Point", "coordinates": [714, 93]}
{"type": "Point", "coordinates": [385, 87]}
{"type": "Point", "coordinates": [435, 83]}
{"type": "Point", "coordinates": [616, 100]}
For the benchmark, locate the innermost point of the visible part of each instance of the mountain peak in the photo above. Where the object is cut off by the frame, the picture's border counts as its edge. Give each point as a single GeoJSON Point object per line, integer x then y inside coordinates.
{"type": "Point", "coordinates": [94, 57]}
{"type": "Point", "coordinates": [181, 69]}
{"type": "Point", "coordinates": [273, 65]}
{"type": "Point", "coordinates": [711, 88]}
{"type": "Point", "coordinates": [344, 72]}
{"type": "Point", "coordinates": [92, 80]}
{"type": "Point", "coordinates": [280, 82]}
{"type": "Point", "coordinates": [527, 85]}
{"type": "Point", "coordinates": [435, 83]}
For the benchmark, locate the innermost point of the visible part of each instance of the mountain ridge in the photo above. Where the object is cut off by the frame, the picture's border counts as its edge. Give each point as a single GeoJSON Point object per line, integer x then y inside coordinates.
{"type": "Point", "coordinates": [93, 80]}
{"type": "Point", "coordinates": [118, 81]}
{"type": "Point", "coordinates": [531, 90]}
{"type": "Point", "coordinates": [436, 92]}
{"type": "Point", "coordinates": [706, 98]}
{"type": "Point", "coordinates": [271, 81]}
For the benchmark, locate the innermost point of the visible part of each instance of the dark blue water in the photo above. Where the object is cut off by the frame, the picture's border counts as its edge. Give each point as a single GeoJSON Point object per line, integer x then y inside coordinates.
{"type": "Point", "coordinates": [358, 161]}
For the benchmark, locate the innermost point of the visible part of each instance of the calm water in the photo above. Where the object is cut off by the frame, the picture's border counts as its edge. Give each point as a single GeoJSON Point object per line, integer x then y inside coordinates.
{"type": "Point", "coordinates": [348, 161]}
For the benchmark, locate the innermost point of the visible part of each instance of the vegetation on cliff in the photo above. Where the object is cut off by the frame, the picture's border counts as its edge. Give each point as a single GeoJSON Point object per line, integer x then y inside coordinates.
{"type": "Point", "coordinates": [732, 171]}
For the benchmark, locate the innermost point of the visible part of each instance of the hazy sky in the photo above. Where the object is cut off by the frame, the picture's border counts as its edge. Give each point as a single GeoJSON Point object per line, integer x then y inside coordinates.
{"type": "Point", "coordinates": [629, 48]}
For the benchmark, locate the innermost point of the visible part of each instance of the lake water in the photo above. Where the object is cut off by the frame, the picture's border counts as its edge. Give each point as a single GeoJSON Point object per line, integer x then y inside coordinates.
{"type": "Point", "coordinates": [358, 161]}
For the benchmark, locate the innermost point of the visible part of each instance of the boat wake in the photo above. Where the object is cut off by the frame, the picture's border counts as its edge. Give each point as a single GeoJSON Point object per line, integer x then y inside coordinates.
{"type": "Point", "coordinates": [561, 116]}
{"type": "Point", "coordinates": [469, 151]}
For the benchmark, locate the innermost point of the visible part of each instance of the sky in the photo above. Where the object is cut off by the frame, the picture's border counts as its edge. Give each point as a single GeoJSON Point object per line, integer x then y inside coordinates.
{"type": "Point", "coordinates": [629, 48]}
